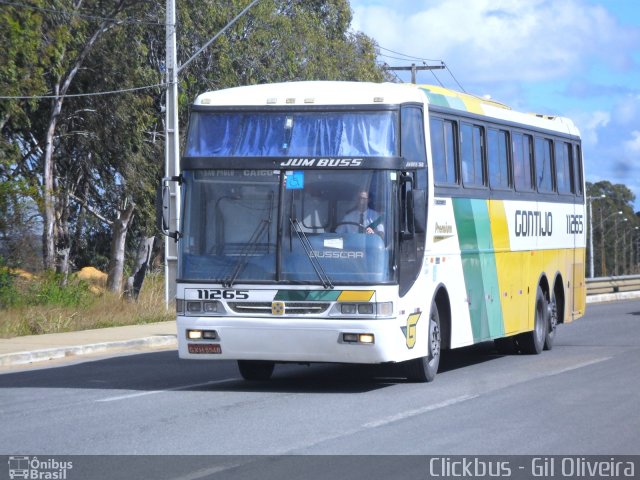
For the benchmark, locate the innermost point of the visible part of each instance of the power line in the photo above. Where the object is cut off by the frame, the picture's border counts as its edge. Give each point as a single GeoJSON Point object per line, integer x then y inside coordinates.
{"type": "Point", "coordinates": [414, 69]}
{"type": "Point", "coordinates": [93, 94]}
{"type": "Point", "coordinates": [130, 21]}
{"type": "Point", "coordinates": [409, 56]}
{"type": "Point", "coordinates": [437, 79]}
{"type": "Point", "coordinates": [404, 56]}
{"type": "Point", "coordinates": [455, 80]}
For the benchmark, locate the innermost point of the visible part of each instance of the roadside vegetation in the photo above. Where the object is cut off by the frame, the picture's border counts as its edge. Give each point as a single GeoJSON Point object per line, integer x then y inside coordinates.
{"type": "Point", "coordinates": [36, 304]}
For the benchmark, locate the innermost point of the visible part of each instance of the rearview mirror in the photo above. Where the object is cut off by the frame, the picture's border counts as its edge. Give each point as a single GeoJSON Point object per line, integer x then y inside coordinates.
{"type": "Point", "coordinates": [164, 217]}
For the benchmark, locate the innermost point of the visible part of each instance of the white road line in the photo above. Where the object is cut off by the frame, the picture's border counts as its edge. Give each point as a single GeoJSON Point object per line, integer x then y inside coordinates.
{"type": "Point", "coordinates": [153, 392]}
{"type": "Point", "coordinates": [418, 411]}
{"type": "Point", "coordinates": [579, 365]}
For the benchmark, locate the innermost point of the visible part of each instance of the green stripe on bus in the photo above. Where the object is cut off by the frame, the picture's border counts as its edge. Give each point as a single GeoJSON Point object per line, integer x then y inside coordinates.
{"type": "Point", "coordinates": [479, 268]}
{"type": "Point", "coordinates": [307, 295]}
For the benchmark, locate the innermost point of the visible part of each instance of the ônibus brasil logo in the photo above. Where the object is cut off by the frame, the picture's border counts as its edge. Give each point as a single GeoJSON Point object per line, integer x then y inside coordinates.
{"type": "Point", "coordinates": [38, 469]}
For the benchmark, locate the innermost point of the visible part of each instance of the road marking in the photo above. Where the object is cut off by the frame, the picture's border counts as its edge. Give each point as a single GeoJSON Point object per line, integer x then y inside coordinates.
{"type": "Point", "coordinates": [153, 392]}
{"type": "Point", "coordinates": [419, 411]}
{"type": "Point", "coordinates": [579, 365]}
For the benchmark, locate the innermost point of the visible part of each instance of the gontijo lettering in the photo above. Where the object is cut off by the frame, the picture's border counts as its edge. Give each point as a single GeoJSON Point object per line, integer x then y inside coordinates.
{"type": "Point", "coordinates": [532, 223]}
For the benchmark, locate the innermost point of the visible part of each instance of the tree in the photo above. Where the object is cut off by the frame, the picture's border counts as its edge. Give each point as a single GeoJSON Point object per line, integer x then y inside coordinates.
{"type": "Point", "coordinates": [90, 164]}
{"type": "Point", "coordinates": [613, 220]}
{"type": "Point", "coordinates": [274, 42]}
{"type": "Point", "coordinates": [59, 45]}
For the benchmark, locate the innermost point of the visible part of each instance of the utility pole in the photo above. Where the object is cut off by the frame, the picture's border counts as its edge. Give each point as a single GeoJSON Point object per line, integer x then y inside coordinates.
{"type": "Point", "coordinates": [414, 68]}
{"type": "Point", "coordinates": [171, 152]}
{"type": "Point", "coordinates": [172, 140]}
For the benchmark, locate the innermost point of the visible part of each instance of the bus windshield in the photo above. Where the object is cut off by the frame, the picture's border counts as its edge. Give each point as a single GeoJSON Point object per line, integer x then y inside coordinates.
{"type": "Point", "coordinates": [313, 227]}
{"type": "Point", "coordinates": [277, 134]}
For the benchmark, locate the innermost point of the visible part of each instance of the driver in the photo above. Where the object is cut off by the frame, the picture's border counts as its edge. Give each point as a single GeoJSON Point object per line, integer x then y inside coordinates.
{"type": "Point", "coordinates": [361, 219]}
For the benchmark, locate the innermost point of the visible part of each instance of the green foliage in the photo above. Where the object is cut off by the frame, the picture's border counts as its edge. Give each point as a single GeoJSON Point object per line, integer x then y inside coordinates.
{"type": "Point", "coordinates": [109, 149]}
{"type": "Point", "coordinates": [616, 229]}
{"type": "Point", "coordinates": [274, 42]}
{"type": "Point", "coordinates": [8, 291]}
{"type": "Point", "coordinates": [50, 290]}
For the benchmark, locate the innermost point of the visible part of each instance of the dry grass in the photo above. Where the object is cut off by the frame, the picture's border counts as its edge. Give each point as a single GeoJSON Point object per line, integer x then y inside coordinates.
{"type": "Point", "coordinates": [98, 309]}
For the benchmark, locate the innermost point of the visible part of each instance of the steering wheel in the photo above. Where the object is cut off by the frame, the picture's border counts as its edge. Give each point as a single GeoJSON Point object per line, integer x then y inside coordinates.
{"type": "Point", "coordinates": [350, 223]}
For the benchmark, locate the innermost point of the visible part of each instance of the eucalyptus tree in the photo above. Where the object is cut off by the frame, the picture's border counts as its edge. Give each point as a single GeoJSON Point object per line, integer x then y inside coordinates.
{"type": "Point", "coordinates": [91, 163]}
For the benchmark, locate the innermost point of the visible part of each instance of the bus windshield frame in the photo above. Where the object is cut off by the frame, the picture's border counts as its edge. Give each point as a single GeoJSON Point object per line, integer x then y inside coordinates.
{"type": "Point", "coordinates": [297, 227]}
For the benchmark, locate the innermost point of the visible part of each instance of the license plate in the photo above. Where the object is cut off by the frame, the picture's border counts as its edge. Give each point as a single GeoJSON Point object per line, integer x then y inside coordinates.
{"type": "Point", "coordinates": [204, 348]}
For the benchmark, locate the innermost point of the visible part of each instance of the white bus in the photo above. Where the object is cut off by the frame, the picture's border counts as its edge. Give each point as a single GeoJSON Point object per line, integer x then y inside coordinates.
{"type": "Point", "coordinates": [374, 223]}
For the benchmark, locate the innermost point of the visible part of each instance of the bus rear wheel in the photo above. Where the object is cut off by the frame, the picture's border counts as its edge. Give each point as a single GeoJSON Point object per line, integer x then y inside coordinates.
{"type": "Point", "coordinates": [553, 322]}
{"type": "Point", "coordinates": [533, 342]}
{"type": "Point", "coordinates": [424, 369]}
{"type": "Point", "coordinates": [255, 370]}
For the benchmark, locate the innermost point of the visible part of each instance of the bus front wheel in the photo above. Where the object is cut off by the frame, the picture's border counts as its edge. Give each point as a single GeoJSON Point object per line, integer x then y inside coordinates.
{"type": "Point", "coordinates": [424, 369]}
{"type": "Point", "coordinates": [255, 370]}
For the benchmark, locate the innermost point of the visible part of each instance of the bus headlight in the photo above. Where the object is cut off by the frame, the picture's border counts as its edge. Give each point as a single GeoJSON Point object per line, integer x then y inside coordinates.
{"type": "Point", "coordinates": [382, 309]}
{"type": "Point", "coordinates": [199, 307]}
{"type": "Point", "coordinates": [348, 309]}
{"type": "Point", "coordinates": [365, 309]}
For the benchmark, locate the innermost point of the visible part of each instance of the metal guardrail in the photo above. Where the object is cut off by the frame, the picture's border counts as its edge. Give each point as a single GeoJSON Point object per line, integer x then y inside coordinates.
{"type": "Point", "coordinates": [600, 285]}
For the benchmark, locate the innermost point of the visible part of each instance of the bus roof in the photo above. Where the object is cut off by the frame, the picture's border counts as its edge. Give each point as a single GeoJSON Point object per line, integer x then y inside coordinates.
{"type": "Point", "coordinates": [364, 93]}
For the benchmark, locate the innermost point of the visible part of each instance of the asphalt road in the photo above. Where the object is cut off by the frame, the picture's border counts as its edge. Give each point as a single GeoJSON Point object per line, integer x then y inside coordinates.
{"type": "Point", "coordinates": [580, 398]}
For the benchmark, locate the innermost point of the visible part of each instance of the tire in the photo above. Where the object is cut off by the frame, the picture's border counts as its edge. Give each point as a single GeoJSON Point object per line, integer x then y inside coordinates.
{"type": "Point", "coordinates": [505, 345]}
{"type": "Point", "coordinates": [553, 322]}
{"type": "Point", "coordinates": [254, 370]}
{"type": "Point", "coordinates": [424, 369]}
{"type": "Point", "coordinates": [533, 342]}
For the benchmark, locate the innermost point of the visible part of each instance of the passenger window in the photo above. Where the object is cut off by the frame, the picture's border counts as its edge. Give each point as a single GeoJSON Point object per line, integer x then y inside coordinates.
{"type": "Point", "coordinates": [412, 144]}
{"type": "Point", "coordinates": [472, 158]}
{"type": "Point", "coordinates": [443, 151]}
{"type": "Point", "coordinates": [577, 161]}
{"type": "Point", "coordinates": [564, 174]}
{"type": "Point", "coordinates": [498, 158]}
{"type": "Point", "coordinates": [522, 162]}
{"type": "Point", "coordinates": [544, 174]}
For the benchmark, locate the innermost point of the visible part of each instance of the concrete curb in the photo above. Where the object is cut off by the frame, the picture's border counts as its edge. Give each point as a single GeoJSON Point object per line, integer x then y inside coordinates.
{"type": "Point", "coordinates": [612, 297]}
{"type": "Point", "coordinates": [25, 358]}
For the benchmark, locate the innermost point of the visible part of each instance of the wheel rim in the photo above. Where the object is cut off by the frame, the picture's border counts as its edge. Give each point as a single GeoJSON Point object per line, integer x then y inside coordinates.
{"type": "Point", "coordinates": [540, 321]}
{"type": "Point", "coordinates": [553, 316]}
{"type": "Point", "coordinates": [434, 339]}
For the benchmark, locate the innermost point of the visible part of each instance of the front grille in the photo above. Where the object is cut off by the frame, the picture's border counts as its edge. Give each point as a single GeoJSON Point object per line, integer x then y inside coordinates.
{"type": "Point", "coordinates": [291, 308]}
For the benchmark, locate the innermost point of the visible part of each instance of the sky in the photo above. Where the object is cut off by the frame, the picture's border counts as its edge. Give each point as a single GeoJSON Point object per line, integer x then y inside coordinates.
{"type": "Point", "coordinates": [575, 58]}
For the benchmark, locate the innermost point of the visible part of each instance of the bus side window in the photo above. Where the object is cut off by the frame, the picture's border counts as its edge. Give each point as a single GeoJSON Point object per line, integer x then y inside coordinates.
{"type": "Point", "coordinates": [412, 144]}
{"type": "Point", "coordinates": [564, 172]}
{"type": "Point", "coordinates": [472, 155]}
{"type": "Point", "coordinates": [544, 174]}
{"type": "Point", "coordinates": [577, 161]}
{"type": "Point", "coordinates": [522, 161]}
{"type": "Point", "coordinates": [498, 158]}
{"type": "Point", "coordinates": [443, 151]}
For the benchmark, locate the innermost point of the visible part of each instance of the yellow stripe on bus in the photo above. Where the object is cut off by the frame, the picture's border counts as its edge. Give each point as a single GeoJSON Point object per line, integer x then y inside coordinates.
{"type": "Point", "coordinates": [356, 296]}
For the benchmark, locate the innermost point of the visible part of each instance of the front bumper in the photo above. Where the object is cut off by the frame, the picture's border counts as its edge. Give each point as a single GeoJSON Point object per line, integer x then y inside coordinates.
{"type": "Point", "coordinates": [294, 340]}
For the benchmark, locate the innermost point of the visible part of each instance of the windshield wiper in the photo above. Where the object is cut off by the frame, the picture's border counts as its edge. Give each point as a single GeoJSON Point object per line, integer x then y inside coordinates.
{"type": "Point", "coordinates": [308, 248]}
{"type": "Point", "coordinates": [249, 247]}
